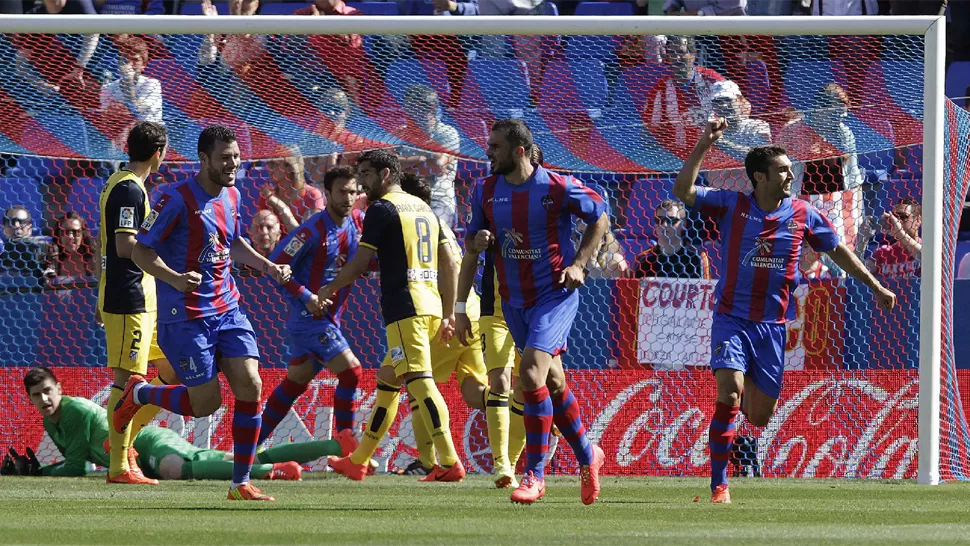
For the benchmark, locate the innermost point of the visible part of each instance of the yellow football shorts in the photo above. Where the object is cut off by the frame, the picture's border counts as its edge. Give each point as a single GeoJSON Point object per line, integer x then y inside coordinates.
{"type": "Point", "coordinates": [499, 346]}
{"type": "Point", "coordinates": [131, 341]}
{"type": "Point", "coordinates": [409, 344]}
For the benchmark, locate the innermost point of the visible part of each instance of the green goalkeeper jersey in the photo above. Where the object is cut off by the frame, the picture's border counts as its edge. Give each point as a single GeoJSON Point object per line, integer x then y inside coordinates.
{"type": "Point", "coordinates": [79, 435]}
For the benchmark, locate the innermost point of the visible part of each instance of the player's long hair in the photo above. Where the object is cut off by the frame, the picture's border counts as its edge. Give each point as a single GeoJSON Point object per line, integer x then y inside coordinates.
{"type": "Point", "coordinates": [85, 249]}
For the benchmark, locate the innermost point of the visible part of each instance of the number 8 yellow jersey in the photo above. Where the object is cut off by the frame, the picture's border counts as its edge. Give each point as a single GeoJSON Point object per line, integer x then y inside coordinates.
{"type": "Point", "coordinates": [405, 233]}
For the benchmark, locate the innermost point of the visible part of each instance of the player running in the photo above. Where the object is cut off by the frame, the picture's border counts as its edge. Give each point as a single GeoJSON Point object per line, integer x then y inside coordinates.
{"type": "Point", "coordinates": [79, 429]}
{"type": "Point", "coordinates": [527, 212]}
{"type": "Point", "coordinates": [763, 233]}
{"type": "Point", "coordinates": [418, 282]}
{"type": "Point", "coordinates": [468, 364]}
{"type": "Point", "coordinates": [316, 251]}
{"type": "Point", "coordinates": [126, 294]}
{"type": "Point", "coordinates": [188, 242]}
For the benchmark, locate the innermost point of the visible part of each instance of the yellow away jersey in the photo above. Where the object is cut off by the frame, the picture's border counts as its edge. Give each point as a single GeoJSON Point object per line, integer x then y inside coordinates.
{"type": "Point", "coordinates": [124, 288]}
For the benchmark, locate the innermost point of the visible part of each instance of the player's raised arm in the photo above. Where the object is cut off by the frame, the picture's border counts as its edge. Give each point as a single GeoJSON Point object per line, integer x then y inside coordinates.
{"type": "Point", "coordinates": [684, 185]}
{"type": "Point", "coordinates": [851, 264]}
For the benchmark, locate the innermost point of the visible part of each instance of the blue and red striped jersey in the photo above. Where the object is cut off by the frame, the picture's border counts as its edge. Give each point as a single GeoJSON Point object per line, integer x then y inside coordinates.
{"type": "Point", "coordinates": [316, 251]}
{"type": "Point", "coordinates": [532, 224]}
{"type": "Point", "coordinates": [760, 251]}
{"type": "Point", "coordinates": [192, 231]}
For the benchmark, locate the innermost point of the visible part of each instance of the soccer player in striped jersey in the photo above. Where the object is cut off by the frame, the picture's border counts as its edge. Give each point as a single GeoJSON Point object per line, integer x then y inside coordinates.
{"type": "Point", "coordinates": [467, 362]}
{"type": "Point", "coordinates": [315, 252]}
{"type": "Point", "coordinates": [762, 234]}
{"type": "Point", "coordinates": [126, 294]}
{"type": "Point", "coordinates": [188, 243]}
{"type": "Point", "coordinates": [418, 286]}
{"type": "Point", "coordinates": [527, 212]}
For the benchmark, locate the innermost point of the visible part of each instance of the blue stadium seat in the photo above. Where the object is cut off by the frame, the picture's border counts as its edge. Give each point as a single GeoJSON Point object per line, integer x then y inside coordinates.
{"type": "Point", "coordinates": [504, 84]}
{"type": "Point", "coordinates": [24, 192]}
{"type": "Point", "coordinates": [376, 8]}
{"type": "Point", "coordinates": [958, 82]}
{"type": "Point", "coordinates": [195, 8]}
{"type": "Point", "coordinates": [550, 8]}
{"type": "Point", "coordinates": [84, 200]}
{"type": "Point", "coordinates": [281, 8]}
{"type": "Point", "coordinates": [584, 79]}
{"type": "Point", "coordinates": [604, 8]}
{"type": "Point", "coordinates": [601, 48]}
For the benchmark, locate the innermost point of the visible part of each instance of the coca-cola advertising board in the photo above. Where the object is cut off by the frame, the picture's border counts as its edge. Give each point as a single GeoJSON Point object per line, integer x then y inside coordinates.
{"type": "Point", "coordinates": [828, 424]}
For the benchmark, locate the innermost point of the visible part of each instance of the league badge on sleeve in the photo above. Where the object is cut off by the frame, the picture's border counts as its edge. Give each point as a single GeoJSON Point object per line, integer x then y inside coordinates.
{"type": "Point", "coordinates": [293, 246]}
{"type": "Point", "coordinates": [149, 220]}
{"type": "Point", "coordinates": [126, 218]}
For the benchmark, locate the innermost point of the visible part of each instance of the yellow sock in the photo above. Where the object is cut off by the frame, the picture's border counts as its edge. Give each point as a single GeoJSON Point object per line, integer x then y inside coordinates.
{"type": "Point", "coordinates": [118, 454]}
{"type": "Point", "coordinates": [435, 414]}
{"type": "Point", "coordinates": [385, 410]}
{"type": "Point", "coordinates": [497, 418]}
{"type": "Point", "coordinates": [422, 436]}
{"type": "Point", "coordinates": [144, 415]}
{"type": "Point", "coordinates": [516, 431]}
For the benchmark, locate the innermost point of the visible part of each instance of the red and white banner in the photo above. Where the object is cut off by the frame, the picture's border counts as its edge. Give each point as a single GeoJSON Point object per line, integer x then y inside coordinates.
{"type": "Point", "coordinates": [828, 424]}
{"type": "Point", "coordinates": [675, 317]}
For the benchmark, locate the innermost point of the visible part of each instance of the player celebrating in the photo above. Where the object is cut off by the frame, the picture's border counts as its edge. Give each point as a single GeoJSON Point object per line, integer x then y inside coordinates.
{"type": "Point", "coordinates": [763, 233]}
{"type": "Point", "coordinates": [527, 211]}
{"type": "Point", "coordinates": [126, 295]}
{"type": "Point", "coordinates": [418, 284]}
{"type": "Point", "coordinates": [79, 427]}
{"type": "Point", "coordinates": [316, 251]}
{"type": "Point", "coordinates": [188, 243]}
{"type": "Point", "coordinates": [468, 364]}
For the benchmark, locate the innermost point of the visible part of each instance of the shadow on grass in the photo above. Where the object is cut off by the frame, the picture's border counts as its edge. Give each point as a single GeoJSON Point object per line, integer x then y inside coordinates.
{"type": "Point", "coordinates": [255, 506]}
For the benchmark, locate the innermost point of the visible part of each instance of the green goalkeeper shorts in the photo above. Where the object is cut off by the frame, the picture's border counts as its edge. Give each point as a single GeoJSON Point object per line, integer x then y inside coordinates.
{"type": "Point", "coordinates": [155, 443]}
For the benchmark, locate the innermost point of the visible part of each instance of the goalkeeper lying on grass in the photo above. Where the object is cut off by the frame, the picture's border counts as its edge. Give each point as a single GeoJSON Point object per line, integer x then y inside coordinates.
{"type": "Point", "coordinates": [79, 429]}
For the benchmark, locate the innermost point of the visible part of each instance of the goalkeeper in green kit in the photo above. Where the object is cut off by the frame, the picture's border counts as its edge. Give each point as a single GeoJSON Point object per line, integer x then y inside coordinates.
{"type": "Point", "coordinates": [79, 429]}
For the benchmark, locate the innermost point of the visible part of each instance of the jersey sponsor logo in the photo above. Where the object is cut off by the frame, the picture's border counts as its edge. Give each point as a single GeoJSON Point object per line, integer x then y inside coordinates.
{"type": "Point", "coordinates": [397, 354]}
{"type": "Point", "coordinates": [510, 241]}
{"type": "Point", "coordinates": [419, 275]}
{"type": "Point", "coordinates": [293, 246]}
{"type": "Point", "coordinates": [214, 252]}
{"type": "Point", "coordinates": [760, 255]}
{"type": "Point", "coordinates": [150, 220]}
{"type": "Point", "coordinates": [126, 218]}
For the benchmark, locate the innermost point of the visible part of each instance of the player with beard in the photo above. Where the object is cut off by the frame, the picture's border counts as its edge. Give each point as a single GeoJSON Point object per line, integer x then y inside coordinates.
{"type": "Point", "coordinates": [316, 251]}
{"type": "Point", "coordinates": [527, 212]}
{"type": "Point", "coordinates": [188, 243]}
{"type": "Point", "coordinates": [763, 233]}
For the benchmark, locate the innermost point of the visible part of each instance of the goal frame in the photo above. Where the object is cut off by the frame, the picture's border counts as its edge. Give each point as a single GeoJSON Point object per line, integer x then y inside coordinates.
{"type": "Point", "coordinates": [932, 29]}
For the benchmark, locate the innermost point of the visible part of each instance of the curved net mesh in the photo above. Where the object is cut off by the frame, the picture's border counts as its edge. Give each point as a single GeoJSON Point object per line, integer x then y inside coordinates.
{"type": "Point", "coordinates": [621, 113]}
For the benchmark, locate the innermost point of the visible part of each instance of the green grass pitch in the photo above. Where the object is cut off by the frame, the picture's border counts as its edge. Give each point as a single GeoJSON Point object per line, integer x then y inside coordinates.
{"type": "Point", "coordinates": [327, 509]}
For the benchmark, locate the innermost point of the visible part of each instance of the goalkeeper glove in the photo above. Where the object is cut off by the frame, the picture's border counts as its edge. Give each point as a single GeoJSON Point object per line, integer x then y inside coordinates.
{"type": "Point", "coordinates": [23, 465]}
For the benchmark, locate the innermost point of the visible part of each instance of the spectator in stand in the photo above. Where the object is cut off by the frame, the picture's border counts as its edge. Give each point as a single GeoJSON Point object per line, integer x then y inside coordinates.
{"type": "Point", "coordinates": [705, 7]}
{"type": "Point", "coordinates": [76, 249]}
{"type": "Point", "coordinates": [901, 258]}
{"type": "Point", "coordinates": [742, 134]}
{"type": "Point", "coordinates": [342, 54]}
{"type": "Point", "coordinates": [74, 81]}
{"type": "Point", "coordinates": [825, 162]}
{"type": "Point", "coordinates": [23, 254]}
{"type": "Point", "coordinates": [510, 7]}
{"type": "Point", "coordinates": [425, 126]}
{"type": "Point", "coordinates": [672, 256]}
{"type": "Point", "coordinates": [811, 265]}
{"type": "Point", "coordinates": [265, 232]}
{"type": "Point", "coordinates": [838, 7]}
{"type": "Point", "coordinates": [450, 7]}
{"type": "Point", "coordinates": [335, 114]}
{"type": "Point", "coordinates": [963, 271]}
{"type": "Point", "coordinates": [288, 195]}
{"type": "Point", "coordinates": [769, 7]}
{"type": "Point", "coordinates": [141, 95]}
{"type": "Point", "coordinates": [679, 104]}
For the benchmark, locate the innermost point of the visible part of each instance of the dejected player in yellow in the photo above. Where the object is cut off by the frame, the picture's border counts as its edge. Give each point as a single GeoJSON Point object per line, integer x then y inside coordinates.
{"type": "Point", "coordinates": [126, 294]}
{"type": "Point", "coordinates": [467, 361]}
{"type": "Point", "coordinates": [419, 276]}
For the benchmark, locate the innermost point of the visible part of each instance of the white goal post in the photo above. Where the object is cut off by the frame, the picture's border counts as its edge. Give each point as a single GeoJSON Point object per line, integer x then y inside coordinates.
{"type": "Point", "coordinates": [932, 29]}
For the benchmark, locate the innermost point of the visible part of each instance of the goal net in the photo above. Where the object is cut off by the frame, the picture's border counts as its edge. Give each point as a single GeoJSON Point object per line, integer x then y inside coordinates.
{"type": "Point", "coordinates": [620, 112]}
